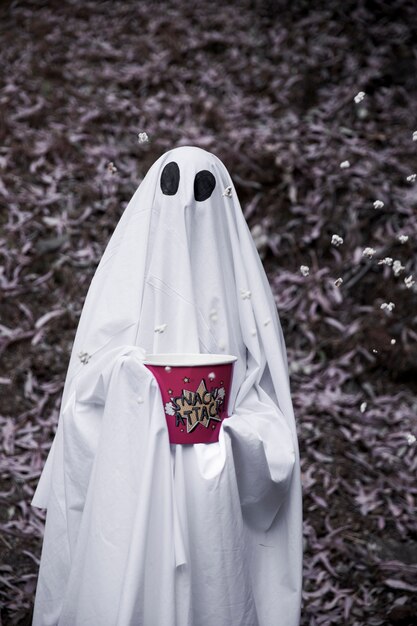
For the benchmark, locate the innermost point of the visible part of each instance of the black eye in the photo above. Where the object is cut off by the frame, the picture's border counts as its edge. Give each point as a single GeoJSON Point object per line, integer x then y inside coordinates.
{"type": "Point", "coordinates": [204, 184]}
{"type": "Point", "coordinates": [170, 179]}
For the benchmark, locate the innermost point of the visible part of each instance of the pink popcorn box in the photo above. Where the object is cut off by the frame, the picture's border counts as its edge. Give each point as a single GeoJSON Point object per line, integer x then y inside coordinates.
{"type": "Point", "coordinates": [195, 391]}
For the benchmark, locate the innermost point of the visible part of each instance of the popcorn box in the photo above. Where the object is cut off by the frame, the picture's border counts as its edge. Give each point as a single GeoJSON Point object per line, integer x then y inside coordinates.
{"type": "Point", "coordinates": [195, 391]}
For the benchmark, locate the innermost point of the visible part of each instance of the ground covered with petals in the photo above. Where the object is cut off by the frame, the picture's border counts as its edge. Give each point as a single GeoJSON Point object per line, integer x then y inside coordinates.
{"type": "Point", "coordinates": [273, 89]}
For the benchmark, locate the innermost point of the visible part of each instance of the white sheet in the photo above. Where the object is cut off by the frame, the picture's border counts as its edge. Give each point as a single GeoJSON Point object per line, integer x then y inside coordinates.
{"type": "Point", "coordinates": [141, 532]}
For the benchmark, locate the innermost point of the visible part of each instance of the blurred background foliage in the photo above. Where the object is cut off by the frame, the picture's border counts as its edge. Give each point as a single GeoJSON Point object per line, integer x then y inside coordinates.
{"type": "Point", "coordinates": [270, 87]}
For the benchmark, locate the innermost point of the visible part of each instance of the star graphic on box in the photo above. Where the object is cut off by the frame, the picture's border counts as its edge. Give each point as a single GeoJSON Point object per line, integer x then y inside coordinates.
{"type": "Point", "coordinates": [192, 408]}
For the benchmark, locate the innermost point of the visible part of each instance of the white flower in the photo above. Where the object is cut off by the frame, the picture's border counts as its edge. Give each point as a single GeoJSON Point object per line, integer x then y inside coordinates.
{"type": "Point", "coordinates": [385, 261]}
{"type": "Point", "coordinates": [160, 329]}
{"type": "Point", "coordinates": [344, 165]}
{"type": "Point", "coordinates": [143, 137]}
{"type": "Point", "coordinates": [409, 282]}
{"type": "Point", "coordinates": [228, 191]}
{"type": "Point", "coordinates": [378, 204]}
{"type": "Point", "coordinates": [369, 252]}
{"type": "Point", "coordinates": [415, 135]}
{"type": "Point", "coordinates": [84, 357]}
{"type": "Point", "coordinates": [245, 293]}
{"type": "Point", "coordinates": [387, 306]}
{"type": "Point", "coordinates": [397, 267]}
{"type": "Point", "coordinates": [169, 408]}
{"type": "Point", "coordinates": [305, 270]}
{"type": "Point", "coordinates": [363, 407]}
{"type": "Point", "coordinates": [336, 240]}
{"type": "Point", "coordinates": [359, 97]}
{"type": "Point", "coordinates": [403, 238]}
{"type": "Point", "coordinates": [411, 178]}
{"type": "Point", "coordinates": [338, 282]}
{"type": "Point", "coordinates": [410, 438]}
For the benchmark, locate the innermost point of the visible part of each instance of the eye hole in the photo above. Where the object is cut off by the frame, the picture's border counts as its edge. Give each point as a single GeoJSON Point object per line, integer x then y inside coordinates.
{"type": "Point", "coordinates": [204, 184]}
{"type": "Point", "coordinates": [170, 179]}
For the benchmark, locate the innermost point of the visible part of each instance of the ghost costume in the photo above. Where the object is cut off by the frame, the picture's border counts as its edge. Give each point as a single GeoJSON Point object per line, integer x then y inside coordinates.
{"type": "Point", "coordinates": [141, 532]}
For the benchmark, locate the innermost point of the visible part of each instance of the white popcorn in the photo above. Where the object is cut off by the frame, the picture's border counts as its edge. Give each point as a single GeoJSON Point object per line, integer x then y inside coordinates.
{"type": "Point", "coordinates": [344, 165]}
{"type": "Point", "coordinates": [260, 237]}
{"type": "Point", "coordinates": [143, 137]}
{"type": "Point", "coordinates": [378, 204]}
{"type": "Point", "coordinates": [388, 306]}
{"type": "Point", "coordinates": [359, 97]}
{"type": "Point", "coordinates": [397, 267]}
{"type": "Point", "coordinates": [369, 252]}
{"type": "Point", "coordinates": [169, 408]}
{"type": "Point", "coordinates": [245, 293]}
{"type": "Point", "coordinates": [213, 315]}
{"type": "Point", "coordinates": [84, 357]}
{"type": "Point", "coordinates": [305, 270]}
{"type": "Point", "coordinates": [385, 261]}
{"type": "Point", "coordinates": [221, 393]}
{"type": "Point", "coordinates": [336, 240]}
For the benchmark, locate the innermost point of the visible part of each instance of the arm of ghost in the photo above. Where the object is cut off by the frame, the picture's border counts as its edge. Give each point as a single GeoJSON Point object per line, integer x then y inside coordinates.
{"type": "Point", "coordinates": [112, 502]}
{"type": "Point", "coordinates": [263, 455]}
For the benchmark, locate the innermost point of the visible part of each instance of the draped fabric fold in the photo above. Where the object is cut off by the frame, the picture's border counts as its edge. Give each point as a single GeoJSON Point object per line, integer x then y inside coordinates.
{"type": "Point", "coordinates": [140, 531]}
